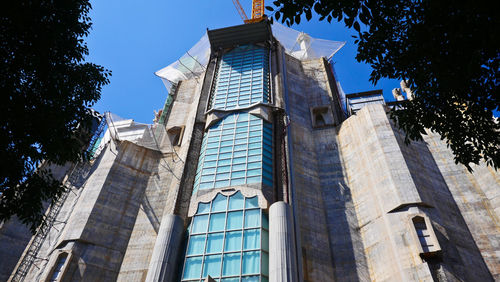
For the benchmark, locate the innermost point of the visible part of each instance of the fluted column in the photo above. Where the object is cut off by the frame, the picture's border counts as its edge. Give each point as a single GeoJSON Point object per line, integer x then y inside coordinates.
{"type": "Point", "coordinates": [282, 264]}
{"type": "Point", "coordinates": [163, 264]}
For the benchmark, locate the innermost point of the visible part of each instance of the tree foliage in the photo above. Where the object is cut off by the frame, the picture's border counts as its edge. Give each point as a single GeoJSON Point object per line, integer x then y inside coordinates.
{"type": "Point", "coordinates": [449, 53]}
{"type": "Point", "coordinates": [47, 88]}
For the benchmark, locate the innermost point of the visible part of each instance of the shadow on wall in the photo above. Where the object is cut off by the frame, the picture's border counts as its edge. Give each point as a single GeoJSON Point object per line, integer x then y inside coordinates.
{"type": "Point", "coordinates": [150, 213]}
{"type": "Point", "coordinates": [460, 253]}
{"type": "Point", "coordinates": [345, 240]}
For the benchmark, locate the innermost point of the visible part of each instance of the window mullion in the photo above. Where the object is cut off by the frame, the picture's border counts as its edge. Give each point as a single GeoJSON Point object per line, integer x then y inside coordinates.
{"type": "Point", "coordinates": [242, 236]}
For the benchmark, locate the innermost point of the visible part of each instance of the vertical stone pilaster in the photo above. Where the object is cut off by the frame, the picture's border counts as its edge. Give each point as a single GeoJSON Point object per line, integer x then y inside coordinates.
{"type": "Point", "coordinates": [281, 244]}
{"type": "Point", "coordinates": [163, 264]}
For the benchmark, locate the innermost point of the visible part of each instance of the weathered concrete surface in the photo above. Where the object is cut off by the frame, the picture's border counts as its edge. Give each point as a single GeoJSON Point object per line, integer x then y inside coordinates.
{"type": "Point", "coordinates": [158, 197]}
{"type": "Point", "coordinates": [477, 196]}
{"type": "Point", "coordinates": [391, 182]}
{"type": "Point", "coordinates": [329, 249]}
{"type": "Point", "coordinates": [14, 236]}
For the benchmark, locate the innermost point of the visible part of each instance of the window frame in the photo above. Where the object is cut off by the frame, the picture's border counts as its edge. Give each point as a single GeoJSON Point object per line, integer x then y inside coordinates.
{"type": "Point", "coordinates": [262, 227]}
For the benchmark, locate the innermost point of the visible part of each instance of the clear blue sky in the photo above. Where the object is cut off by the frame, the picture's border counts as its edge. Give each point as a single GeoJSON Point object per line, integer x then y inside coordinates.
{"type": "Point", "coordinates": [136, 38]}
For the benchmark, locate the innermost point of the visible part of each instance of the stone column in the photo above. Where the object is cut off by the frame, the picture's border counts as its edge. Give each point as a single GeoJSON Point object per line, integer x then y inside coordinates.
{"type": "Point", "coordinates": [163, 264]}
{"type": "Point", "coordinates": [282, 266]}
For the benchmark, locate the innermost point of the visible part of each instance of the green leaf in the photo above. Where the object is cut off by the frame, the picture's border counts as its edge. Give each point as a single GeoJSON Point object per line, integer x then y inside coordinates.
{"type": "Point", "coordinates": [308, 15]}
{"type": "Point", "coordinates": [317, 8]}
{"type": "Point", "coordinates": [356, 26]}
{"type": "Point", "coordinates": [269, 8]}
{"type": "Point", "coordinates": [297, 19]}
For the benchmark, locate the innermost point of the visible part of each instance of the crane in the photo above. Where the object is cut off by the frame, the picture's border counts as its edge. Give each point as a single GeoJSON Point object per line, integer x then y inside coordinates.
{"type": "Point", "coordinates": [257, 11]}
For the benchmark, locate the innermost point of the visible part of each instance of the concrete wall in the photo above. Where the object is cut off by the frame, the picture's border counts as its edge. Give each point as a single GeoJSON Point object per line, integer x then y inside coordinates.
{"type": "Point", "coordinates": [390, 183]}
{"type": "Point", "coordinates": [326, 230]}
{"type": "Point", "coordinates": [161, 189]}
{"type": "Point", "coordinates": [14, 236]}
{"type": "Point", "coordinates": [477, 197]}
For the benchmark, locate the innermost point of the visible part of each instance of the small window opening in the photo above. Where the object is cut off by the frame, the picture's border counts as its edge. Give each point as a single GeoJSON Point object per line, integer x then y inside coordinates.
{"type": "Point", "coordinates": [321, 116]}
{"type": "Point", "coordinates": [175, 135]}
{"type": "Point", "coordinates": [56, 273]}
{"type": "Point", "coordinates": [423, 234]}
{"type": "Point", "coordinates": [319, 120]}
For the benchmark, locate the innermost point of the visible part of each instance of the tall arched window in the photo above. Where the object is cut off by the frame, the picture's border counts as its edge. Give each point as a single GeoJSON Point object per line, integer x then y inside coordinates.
{"type": "Point", "coordinates": [237, 150]}
{"type": "Point", "coordinates": [242, 79]}
{"type": "Point", "coordinates": [228, 240]}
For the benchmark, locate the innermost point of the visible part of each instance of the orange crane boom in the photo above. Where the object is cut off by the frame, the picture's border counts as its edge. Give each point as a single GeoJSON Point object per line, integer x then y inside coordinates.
{"type": "Point", "coordinates": [257, 11]}
{"type": "Point", "coordinates": [240, 10]}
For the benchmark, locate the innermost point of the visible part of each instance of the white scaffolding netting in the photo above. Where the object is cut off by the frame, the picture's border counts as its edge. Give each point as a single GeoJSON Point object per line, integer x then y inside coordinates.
{"type": "Point", "coordinates": [297, 44]}
{"type": "Point", "coordinates": [302, 46]}
{"type": "Point", "coordinates": [190, 65]}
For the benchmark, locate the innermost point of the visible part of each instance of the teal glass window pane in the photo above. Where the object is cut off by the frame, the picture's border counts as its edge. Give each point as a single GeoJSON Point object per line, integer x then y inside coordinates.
{"type": "Point", "coordinates": [267, 182]}
{"type": "Point", "coordinates": [254, 165]}
{"type": "Point", "coordinates": [222, 183]}
{"type": "Point", "coordinates": [235, 220]}
{"type": "Point", "coordinates": [233, 241]}
{"type": "Point", "coordinates": [214, 243]}
{"type": "Point", "coordinates": [253, 172]}
{"type": "Point", "coordinates": [265, 221]}
{"type": "Point", "coordinates": [231, 264]}
{"type": "Point", "coordinates": [267, 174]}
{"type": "Point", "coordinates": [250, 278]}
{"type": "Point", "coordinates": [217, 222]}
{"type": "Point", "coordinates": [265, 263]}
{"type": "Point", "coordinates": [251, 239]}
{"type": "Point", "coordinates": [238, 181]}
{"type": "Point", "coordinates": [200, 224]}
{"type": "Point", "coordinates": [239, 160]}
{"type": "Point", "coordinates": [239, 153]}
{"type": "Point", "coordinates": [224, 162]}
{"type": "Point", "coordinates": [264, 279]}
{"type": "Point", "coordinates": [203, 208]}
{"type": "Point", "coordinates": [236, 201]}
{"type": "Point", "coordinates": [222, 169]}
{"type": "Point", "coordinates": [254, 179]}
{"type": "Point", "coordinates": [219, 203]}
{"type": "Point", "coordinates": [254, 139]}
{"type": "Point", "coordinates": [212, 266]}
{"type": "Point", "coordinates": [209, 171]}
{"type": "Point", "coordinates": [238, 174]}
{"type": "Point", "coordinates": [265, 240]}
{"type": "Point", "coordinates": [252, 203]}
{"type": "Point", "coordinates": [192, 268]}
{"type": "Point", "coordinates": [209, 164]}
{"type": "Point", "coordinates": [207, 178]}
{"type": "Point", "coordinates": [251, 262]}
{"type": "Point", "coordinates": [255, 158]}
{"type": "Point", "coordinates": [207, 185]}
{"type": "Point", "coordinates": [212, 151]}
{"type": "Point", "coordinates": [196, 245]}
{"type": "Point", "coordinates": [230, 280]}
{"type": "Point", "coordinates": [252, 218]}
{"type": "Point", "coordinates": [222, 176]}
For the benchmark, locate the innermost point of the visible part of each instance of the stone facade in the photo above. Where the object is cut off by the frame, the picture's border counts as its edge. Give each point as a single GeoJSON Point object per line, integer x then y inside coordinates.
{"type": "Point", "coordinates": [350, 202]}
